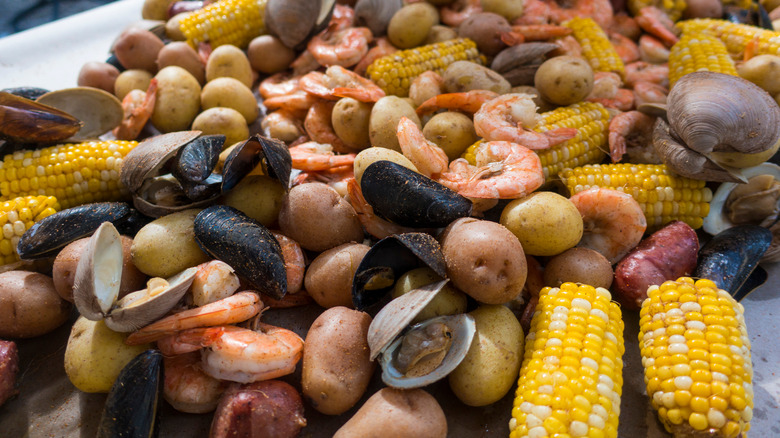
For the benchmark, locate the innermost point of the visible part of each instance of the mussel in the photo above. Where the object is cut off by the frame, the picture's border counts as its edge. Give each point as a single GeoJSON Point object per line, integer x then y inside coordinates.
{"type": "Point", "coordinates": [246, 245]}
{"type": "Point", "coordinates": [424, 353]}
{"type": "Point", "coordinates": [410, 199]}
{"type": "Point", "coordinates": [98, 110]}
{"type": "Point", "coordinates": [273, 155]}
{"type": "Point", "coordinates": [132, 405]}
{"type": "Point", "coordinates": [96, 286]}
{"type": "Point", "coordinates": [717, 125]}
{"type": "Point", "coordinates": [25, 121]}
{"type": "Point", "coordinates": [295, 21]}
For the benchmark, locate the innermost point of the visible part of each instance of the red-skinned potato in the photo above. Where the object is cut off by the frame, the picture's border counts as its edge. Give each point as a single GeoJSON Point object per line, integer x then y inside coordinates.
{"type": "Point", "coordinates": [270, 408]}
{"type": "Point", "coordinates": [9, 368]}
{"type": "Point", "coordinates": [329, 276]}
{"type": "Point", "coordinates": [99, 75]}
{"type": "Point", "coordinates": [138, 48]}
{"type": "Point", "coordinates": [29, 305]}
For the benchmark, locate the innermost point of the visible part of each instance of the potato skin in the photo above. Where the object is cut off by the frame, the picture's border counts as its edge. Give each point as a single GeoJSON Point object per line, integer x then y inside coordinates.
{"type": "Point", "coordinates": [178, 99]}
{"type": "Point", "coordinates": [138, 48]}
{"type": "Point", "coordinates": [579, 265]}
{"type": "Point", "coordinates": [29, 305]}
{"type": "Point", "coordinates": [166, 245]}
{"type": "Point", "coordinates": [397, 413]}
{"type": "Point", "coordinates": [453, 132]}
{"type": "Point", "coordinates": [269, 408]}
{"type": "Point", "coordinates": [229, 60]}
{"type": "Point", "coordinates": [484, 260]}
{"type": "Point", "coordinates": [350, 119]}
{"type": "Point", "coordinates": [9, 368]}
{"type": "Point", "coordinates": [336, 364]}
{"type": "Point", "coordinates": [368, 156]}
{"type": "Point", "coordinates": [257, 196]}
{"type": "Point", "coordinates": [485, 29]}
{"type": "Point", "coordinates": [410, 25]}
{"type": "Point", "coordinates": [268, 55]}
{"type": "Point", "coordinates": [545, 223]}
{"type": "Point", "coordinates": [129, 80]}
{"type": "Point", "coordinates": [383, 124]}
{"type": "Point", "coordinates": [180, 54]}
{"type": "Point", "coordinates": [328, 278]}
{"type": "Point", "coordinates": [222, 120]}
{"type": "Point", "coordinates": [99, 75]}
{"type": "Point", "coordinates": [564, 80]}
{"type": "Point", "coordinates": [230, 93]}
{"type": "Point", "coordinates": [462, 76]}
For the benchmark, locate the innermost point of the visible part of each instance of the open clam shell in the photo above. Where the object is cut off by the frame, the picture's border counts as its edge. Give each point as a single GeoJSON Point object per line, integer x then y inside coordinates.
{"type": "Point", "coordinates": [294, 21]}
{"type": "Point", "coordinates": [718, 219]}
{"type": "Point", "coordinates": [146, 159]}
{"type": "Point", "coordinates": [99, 111]}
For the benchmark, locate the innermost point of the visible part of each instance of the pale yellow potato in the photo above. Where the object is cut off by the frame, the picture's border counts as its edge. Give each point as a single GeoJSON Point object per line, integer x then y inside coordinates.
{"type": "Point", "coordinates": [383, 125]}
{"type": "Point", "coordinates": [257, 196]}
{"type": "Point", "coordinates": [410, 25]}
{"type": "Point", "coordinates": [225, 121]}
{"type": "Point", "coordinates": [350, 119]}
{"type": "Point", "coordinates": [762, 70]}
{"type": "Point", "coordinates": [448, 301]}
{"type": "Point", "coordinates": [155, 9]}
{"type": "Point", "coordinates": [509, 9]}
{"type": "Point", "coordinates": [229, 92]}
{"type": "Point", "coordinates": [545, 223]}
{"type": "Point", "coordinates": [452, 131]}
{"type": "Point", "coordinates": [564, 80]}
{"type": "Point", "coordinates": [229, 60]}
{"type": "Point", "coordinates": [129, 80]}
{"type": "Point", "coordinates": [166, 246]}
{"type": "Point", "coordinates": [366, 157]}
{"type": "Point", "coordinates": [178, 99]}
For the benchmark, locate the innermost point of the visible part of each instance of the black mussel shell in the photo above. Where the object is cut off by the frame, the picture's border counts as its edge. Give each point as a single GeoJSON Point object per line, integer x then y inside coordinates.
{"type": "Point", "coordinates": [132, 223]}
{"type": "Point", "coordinates": [755, 15]}
{"type": "Point", "coordinates": [113, 60]}
{"type": "Point", "coordinates": [49, 235]}
{"type": "Point", "coordinates": [731, 256]}
{"type": "Point", "coordinates": [196, 160]}
{"type": "Point", "coordinates": [388, 259]}
{"type": "Point", "coordinates": [31, 93]}
{"type": "Point", "coordinates": [246, 245]}
{"type": "Point", "coordinates": [26, 121]}
{"type": "Point", "coordinates": [210, 188]}
{"type": "Point", "coordinates": [132, 404]}
{"type": "Point", "coordinates": [409, 199]}
{"type": "Point", "coordinates": [272, 153]}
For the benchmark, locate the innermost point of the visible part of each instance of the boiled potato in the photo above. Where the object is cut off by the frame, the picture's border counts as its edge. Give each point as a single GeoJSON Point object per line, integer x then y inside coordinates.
{"type": "Point", "coordinates": [484, 260]}
{"type": "Point", "coordinates": [461, 76]}
{"type": "Point", "coordinates": [350, 119]}
{"type": "Point", "coordinates": [96, 354]}
{"type": "Point", "coordinates": [410, 25]}
{"type": "Point", "coordinates": [180, 54]}
{"type": "Point", "coordinates": [397, 413]}
{"type": "Point", "coordinates": [329, 277]}
{"type": "Point", "coordinates": [509, 9]}
{"type": "Point", "coordinates": [173, 27]}
{"type": "Point", "coordinates": [166, 246]}
{"type": "Point", "coordinates": [546, 223]}
{"type": "Point", "coordinates": [453, 132]}
{"type": "Point", "coordinates": [492, 364]}
{"type": "Point", "coordinates": [448, 301]}
{"type": "Point", "coordinates": [366, 157]}
{"type": "Point", "coordinates": [564, 80]}
{"type": "Point", "coordinates": [336, 366]}
{"type": "Point", "coordinates": [129, 80]}
{"type": "Point", "coordinates": [485, 29]}
{"type": "Point", "coordinates": [98, 75]}
{"type": "Point", "coordinates": [228, 60]}
{"type": "Point", "coordinates": [257, 196]}
{"type": "Point", "coordinates": [762, 70]}
{"type": "Point", "coordinates": [155, 9]}
{"type": "Point", "coordinates": [138, 48]}
{"type": "Point", "coordinates": [439, 33]}
{"type": "Point", "coordinates": [230, 93]}
{"type": "Point", "coordinates": [268, 408]}
{"type": "Point", "coordinates": [383, 124]}
{"type": "Point", "coordinates": [268, 55]}
{"type": "Point", "coordinates": [225, 121]}
{"type": "Point", "coordinates": [178, 99]}
{"type": "Point", "coordinates": [579, 265]}
{"type": "Point", "coordinates": [29, 305]}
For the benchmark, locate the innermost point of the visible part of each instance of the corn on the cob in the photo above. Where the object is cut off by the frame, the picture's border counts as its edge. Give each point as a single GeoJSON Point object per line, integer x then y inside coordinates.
{"type": "Point", "coordinates": [76, 173]}
{"type": "Point", "coordinates": [735, 36]}
{"type": "Point", "coordinates": [696, 355]}
{"type": "Point", "coordinates": [234, 22]}
{"type": "Point", "coordinates": [571, 379]}
{"type": "Point", "coordinates": [394, 73]}
{"type": "Point", "coordinates": [663, 196]}
{"type": "Point", "coordinates": [673, 8]}
{"type": "Point", "coordinates": [699, 52]}
{"type": "Point", "coordinates": [596, 46]}
{"type": "Point", "coordinates": [17, 216]}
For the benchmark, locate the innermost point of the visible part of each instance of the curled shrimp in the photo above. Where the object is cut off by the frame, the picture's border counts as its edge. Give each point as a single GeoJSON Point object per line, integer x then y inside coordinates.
{"type": "Point", "coordinates": [510, 117]}
{"type": "Point", "coordinates": [648, 92]}
{"type": "Point", "coordinates": [382, 48]}
{"type": "Point", "coordinates": [503, 170]}
{"type": "Point", "coordinates": [343, 47]}
{"type": "Point", "coordinates": [429, 159]}
{"type": "Point", "coordinates": [623, 100]}
{"type": "Point", "coordinates": [652, 50]}
{"type": "Point", "coordinates": [304, 63]}
{"type": "Point", "coordinates": [283, 125]}
{"type": "Point", "coordinates": [138, 107]}
{"type": "Point", "coordinates": [235, 308]}
{"type": "Point", "coordinates": [343, 17]}
{"type": "Point", "coordinates": [456, 13]}
{"type": "Point", "coordinates": [214, 280]}
{"type": "Point", "coordinates": [599, 10]}
{"type": "Point", "coordinates": [243, 355]}
{"type": "Point", "coordinates": [642, 71]}
{"type": "Point", "coordinates": [427, 85]}
{"type": "Point", "coordinates": [468, 101]}
{"type": "Point", "coordinates": [295, 103]}
{"type": "Point", "coordinates": [613, 221]}
{"type": "Point", "coordinates": [187, 388]}
{"type": "Point", "coordinates": [625, 47]}
{"type": "Point", "coordinates": [655, 22]}
{"type": "Point", "coordinates": [630, 128]}
{"type": "Point", "coordinates": [372, 224]}
{"type": "Point", "coordinates": [625, 25]}
{"type": "Point", "coordinates": [339, 82]}
{"type": "Point", "coordinates": [319, 126]}
{"type": "Point", "coordinates": [294, 262]}
{"type": "Point", "coordinates": [337, 180]}
{"type": "Point", "coordinates": [313, 156]}
{"type": "Point", "coordinates": [278, 84]}
{"type": "Point", "coordinates": [540, 32]}
{"type": "Point", "coordinates": [534, 12]}
{"type": "Point", "coordinates": [567, 45]}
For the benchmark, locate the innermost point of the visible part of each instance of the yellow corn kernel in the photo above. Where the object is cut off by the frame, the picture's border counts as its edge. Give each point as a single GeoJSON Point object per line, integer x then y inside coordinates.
{"type": "Point", "coordinates": [234, 22]}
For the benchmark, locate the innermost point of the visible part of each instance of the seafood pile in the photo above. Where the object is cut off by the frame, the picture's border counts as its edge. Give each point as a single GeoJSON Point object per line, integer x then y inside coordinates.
{"type": "Point", "coordinates": [255, 209]}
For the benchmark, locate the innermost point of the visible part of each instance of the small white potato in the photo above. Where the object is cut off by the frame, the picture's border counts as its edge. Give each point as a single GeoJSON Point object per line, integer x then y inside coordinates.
{"type": "Point", "coordinates": [229, 60]}
{"type": "Point", "coordinates": [225, 121]}
{"type": "Point", "coordinates": [230, 93]}
{"type": "Point", "coordinates": [178, 99]}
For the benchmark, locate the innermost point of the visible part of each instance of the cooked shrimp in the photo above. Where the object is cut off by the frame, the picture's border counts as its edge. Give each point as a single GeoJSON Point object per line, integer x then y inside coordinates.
{"type": "Point", "coordinates": [613, 221]}
{"type": "Point", "coordinates": [504, 170]}
{"type": "Point", "coordinates": [304, 63]}
{"type": "Point", "coordinates": [751, 48]}
{"type": "Point", "coordinates": [283, 125]}
{"type": "Point", "coordinates": [214, 280]}
{"type": "Point", "coordinates": [337, 180]}
{"type": "Point", "coordinates": [623, 100]}
{"type": "Point", "coordinates": [655, 22]}
{"type": "Point", "coordinates": [319, 126]}
{"type": "Point", "coordinates": [510, 117]}
{"type": "Point", "coordinates": [425, 86]}
{"type": "Point", "coordinates": [278, 84]}
{"type": "Point", "coordinates": [429, 159]}
{"type": "Point", "coordinates": [456, 13]}
{"type": "Point", "coordinates": [372, 224]}
{"type": "Point", "coordinates": [313, 156]}
{"type": "Point", "coordinates": [625, 25]}
{"type": "Point", "coordinates": [605, 85]}
{"type": "Point", "coordinates": [294, 262]}
{"type": "Point", "coordinates": [626, 48]}
{"type": "Point", "coordinates": [648, 92]}
{"type": "Point", "coordinates": [187, 388]}
{"type": "Point", "coordinates": [534, 12]}
{"type": "Point", "coordinates": [652, 50]}
{"type": "Point", "coordinates": [339, 82]}
{"type": "Point", "coordinates": [343, 17]}
{"type": "Point", "coordinates": [296, 102]}
{"type": "Point", "coordinates": [138, 107]}
{"type": "Point", "coordinates": [540, 32]}
{"type": "Point", "coordinates": [467, 101]}
{"type": "Point", "coordinates": [641, 71]}
{"type": "Point", "coordinates": [233, 309]}
{"type": "Point", "coordinates": [567, 45]}
{"type": "Point", "coordinates": [243, 355]}
{"type": "Point", "coordinates": [340, 47]}
{"type": "Point", "coordinates": [599, 10]}
{"type": "Point", "coordinates": [382, 48]}
{"type": "Point", "coordinates": [629, 128]}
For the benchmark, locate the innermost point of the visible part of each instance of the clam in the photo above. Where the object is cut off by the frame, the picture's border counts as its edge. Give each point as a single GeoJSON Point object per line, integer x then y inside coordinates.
{"type": "Point", "coordinates": [98, 110]}
{"type": "Point", "coordinates": [132, 404]}
{"type": "Point", "coordinates": [424, 353]}
{"type": "Point", "coordinates": [388, 259]}
{"type": "Point", "coordinates": [410, 199]}
{"type": "Point", "coordinates": [96, 286]}
{"type": "Point", "coordinates": [295, 21]}
{"type": "Point", "coordinates": [717, 125]}
{"type": "Point", "coordinates": [25, 121]}
{"type": "Point", "coordinates": [376, 14]}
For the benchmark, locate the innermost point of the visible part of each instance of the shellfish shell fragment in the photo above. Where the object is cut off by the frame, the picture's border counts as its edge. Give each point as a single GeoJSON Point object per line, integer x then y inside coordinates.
{"type": "Point", "coordinates": [98, 110]}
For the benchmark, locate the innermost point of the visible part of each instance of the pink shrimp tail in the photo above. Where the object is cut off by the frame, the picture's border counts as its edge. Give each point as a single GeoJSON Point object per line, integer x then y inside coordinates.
{"type": "Point", "coordinates": [560, 135]}
{"type": "Point", "coordinates": [617, 147]}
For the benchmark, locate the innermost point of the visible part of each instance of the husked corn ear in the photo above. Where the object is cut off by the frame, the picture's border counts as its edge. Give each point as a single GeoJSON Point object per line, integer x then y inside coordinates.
{"type": "Point", "coordinates": [234, 22]}
{"type": "Point", "coordinates": [17, 216]}
{"type": "Point", "coordinates": [596, 46]}
{"type": "Point", "coordinates": [394, 73]}
{"type": "Point", "coordinates": [76, 173]}
{"type": "Point", "coordinates": [571, 379]}
{"type": "Point", "coordinates": [673, 8]}
{"type": "Point", "coordinates": [663, 196]}
{"type": "Point", "coordinates": [734, 35]}
{"type": "Point", "coordinates": [696, 357]}
{"type": "Point", "coordinates": [699, 52]}
{"type": "Point", "coordinates": [591, 120]}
